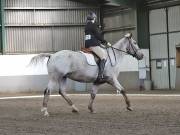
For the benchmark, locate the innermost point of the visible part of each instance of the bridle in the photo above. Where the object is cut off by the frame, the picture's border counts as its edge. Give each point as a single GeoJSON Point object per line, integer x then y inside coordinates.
{"type": "Point", "coordinates": [127, 51]}
{"type": "Point", "coordinates": [133, 48]}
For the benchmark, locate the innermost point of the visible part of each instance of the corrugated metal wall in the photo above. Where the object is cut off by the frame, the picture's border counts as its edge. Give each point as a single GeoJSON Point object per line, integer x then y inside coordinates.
{"type": "Point", "coordinates": [33, 26]}
{"type": "Point", "coordinates": [157, 21]}
{"type": "Point", "coordinates": [118, 22]}
{"type": "Point", "coordinates": [42, 3]}
{"type": "Point", "coordinates": [45, 17]}
{"type": "Point", "coordinates": [158, 48]}
{"type": "Point", "coordinates": [164, 29]}
{"type": "Point", "coordinates": [174, 18]}
{"type": "Point", "coordinates": [174, 39]}
{"type": "Point", "coordinates": [1, 28]}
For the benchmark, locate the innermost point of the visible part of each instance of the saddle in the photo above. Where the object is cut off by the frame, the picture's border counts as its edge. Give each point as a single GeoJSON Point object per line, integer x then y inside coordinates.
{"type": "Point", "coordinates": [91, 57]}
{"type": "Point", "coordinates": [87, 50]}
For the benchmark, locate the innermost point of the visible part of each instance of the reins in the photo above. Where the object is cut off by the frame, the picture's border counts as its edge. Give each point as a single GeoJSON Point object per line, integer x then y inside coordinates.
{"type": "Point", "coordinates": [110, 57]}
{"type": "Point", "coordinates": [113, 48]}
{"type": "Point", "coordinates": [119, 49]}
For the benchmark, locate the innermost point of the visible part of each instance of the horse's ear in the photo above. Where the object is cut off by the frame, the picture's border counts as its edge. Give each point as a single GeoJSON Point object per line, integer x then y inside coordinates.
{"type": "Point", "coordinates": [128, 35]}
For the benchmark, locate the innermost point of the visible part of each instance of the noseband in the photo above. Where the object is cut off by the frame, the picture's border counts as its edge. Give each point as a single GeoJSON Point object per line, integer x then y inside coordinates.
{"type": "Point", "coordinates": [134, 54]}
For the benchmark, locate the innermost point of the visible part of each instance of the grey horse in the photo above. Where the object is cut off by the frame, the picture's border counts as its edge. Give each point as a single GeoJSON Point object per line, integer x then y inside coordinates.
{"type": "Point", "coordinates": [73, 65]}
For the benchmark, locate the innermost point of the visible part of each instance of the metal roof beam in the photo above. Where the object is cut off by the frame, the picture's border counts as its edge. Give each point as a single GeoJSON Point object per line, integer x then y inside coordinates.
{"type": "Point", "coordinates": [129, 3]}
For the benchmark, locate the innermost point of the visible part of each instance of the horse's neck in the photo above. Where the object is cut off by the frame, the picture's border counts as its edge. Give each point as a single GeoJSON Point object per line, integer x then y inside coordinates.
{"type": "Point", "coordinates": [120, 44]}
{"type": "Point", "coordinates": [116, 67]}
{"type": "Point", "coordinates": [119, 54]}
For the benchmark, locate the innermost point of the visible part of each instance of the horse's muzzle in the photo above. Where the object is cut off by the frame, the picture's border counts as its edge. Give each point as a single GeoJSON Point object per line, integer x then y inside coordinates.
{"type": "Point", "coordinates": [140, 56]}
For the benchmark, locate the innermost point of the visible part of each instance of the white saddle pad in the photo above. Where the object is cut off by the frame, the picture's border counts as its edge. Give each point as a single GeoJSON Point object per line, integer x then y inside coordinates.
{"type": "Point", "coordinates": [90, 58]}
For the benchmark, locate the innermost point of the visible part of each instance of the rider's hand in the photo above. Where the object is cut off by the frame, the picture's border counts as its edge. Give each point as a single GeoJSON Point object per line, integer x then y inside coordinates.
{"type": "Point", "coordinates": [109, 44]}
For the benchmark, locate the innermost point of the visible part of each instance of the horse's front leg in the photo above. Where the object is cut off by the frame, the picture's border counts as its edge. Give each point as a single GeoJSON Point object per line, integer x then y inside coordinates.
{"type": "Point", "coordinates": [119, 88]}
{"type": "Point", "coordinates": [93, 95]}
{"type": "Point", "coordinates": [123, 92]}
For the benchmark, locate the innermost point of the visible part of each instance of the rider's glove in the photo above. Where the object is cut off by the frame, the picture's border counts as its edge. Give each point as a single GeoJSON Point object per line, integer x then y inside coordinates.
{"type": "Point", "coordinates": [109, 44]}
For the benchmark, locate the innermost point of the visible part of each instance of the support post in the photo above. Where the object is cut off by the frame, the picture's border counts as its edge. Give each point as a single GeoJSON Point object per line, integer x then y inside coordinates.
{"type": "Point", "coordinates": [2, 28]}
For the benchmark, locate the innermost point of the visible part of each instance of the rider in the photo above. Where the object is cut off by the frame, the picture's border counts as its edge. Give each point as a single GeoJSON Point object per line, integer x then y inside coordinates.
{"type": "Point", "coordinates": [93, 40]}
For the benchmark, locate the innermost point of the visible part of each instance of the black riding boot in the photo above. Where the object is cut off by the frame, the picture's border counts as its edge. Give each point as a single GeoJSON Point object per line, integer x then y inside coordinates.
{"type": "Point", "coordinates": [101, 77]}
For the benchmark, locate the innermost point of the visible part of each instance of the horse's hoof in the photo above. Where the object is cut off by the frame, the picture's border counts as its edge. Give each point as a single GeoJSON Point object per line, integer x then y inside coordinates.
{"type": "Point", "coordinates": [91, 110]}
{"type": "Point", "coordinates": [129, 109]}
{"type": "Point", "coordinates": [46, 114]}
{"type": "Point", "coordinates": [75, 109]}
{"type": "Point", "coordinates": [44, 110]}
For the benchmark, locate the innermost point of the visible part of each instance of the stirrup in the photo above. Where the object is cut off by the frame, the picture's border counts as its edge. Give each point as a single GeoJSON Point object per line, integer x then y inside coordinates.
{"type": "Point", "coordinates": [100, 80]}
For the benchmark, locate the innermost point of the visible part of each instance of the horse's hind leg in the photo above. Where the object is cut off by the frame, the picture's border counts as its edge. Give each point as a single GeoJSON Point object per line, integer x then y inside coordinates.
{"type": "Point", "coordinates": [45, 101]}
{"type": "Point", "coordinates": [62, 92]}
{"type": "Point", "coordinates": [52, 84]}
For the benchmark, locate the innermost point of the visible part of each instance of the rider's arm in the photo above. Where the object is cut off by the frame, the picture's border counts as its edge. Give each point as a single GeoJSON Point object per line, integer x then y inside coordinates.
{"type": "Point", "coordinates": [97, 34]}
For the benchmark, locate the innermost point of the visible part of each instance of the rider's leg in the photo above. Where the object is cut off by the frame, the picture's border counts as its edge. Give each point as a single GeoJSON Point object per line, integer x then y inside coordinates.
{"type": "Point", "coordinates": [101, 68]}
{"type": "Point", "coordinates": [101, 53]}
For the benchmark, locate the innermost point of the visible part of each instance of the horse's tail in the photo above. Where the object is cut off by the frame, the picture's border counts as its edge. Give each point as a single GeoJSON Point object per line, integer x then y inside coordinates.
{"type": "Point", "coordinates": [39, 58]}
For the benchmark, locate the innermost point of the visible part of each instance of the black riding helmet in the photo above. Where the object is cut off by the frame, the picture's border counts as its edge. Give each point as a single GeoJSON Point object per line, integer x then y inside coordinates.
{"type": "Point", "coordinates": [91, 16]}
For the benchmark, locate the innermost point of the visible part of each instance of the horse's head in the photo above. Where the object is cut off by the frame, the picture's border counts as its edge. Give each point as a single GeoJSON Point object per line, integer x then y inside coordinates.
{"type": "Point", "coordinates": [132, 47]}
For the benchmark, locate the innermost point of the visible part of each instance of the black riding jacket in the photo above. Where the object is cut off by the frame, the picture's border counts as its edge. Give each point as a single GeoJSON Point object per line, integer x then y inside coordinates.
{"type": "Point", "coordinates": [93, 36]}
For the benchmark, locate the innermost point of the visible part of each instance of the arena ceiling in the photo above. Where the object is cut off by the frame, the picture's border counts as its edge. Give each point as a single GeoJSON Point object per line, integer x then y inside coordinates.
{"type": "Point", "coordinates": [113, 2]}
{"type": "Point", "coordinates": [130, 3]}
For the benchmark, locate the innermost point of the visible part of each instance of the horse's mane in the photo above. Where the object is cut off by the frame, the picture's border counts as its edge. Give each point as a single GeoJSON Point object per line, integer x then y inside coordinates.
{"type": "Point", "coordinates": [119, 43]}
